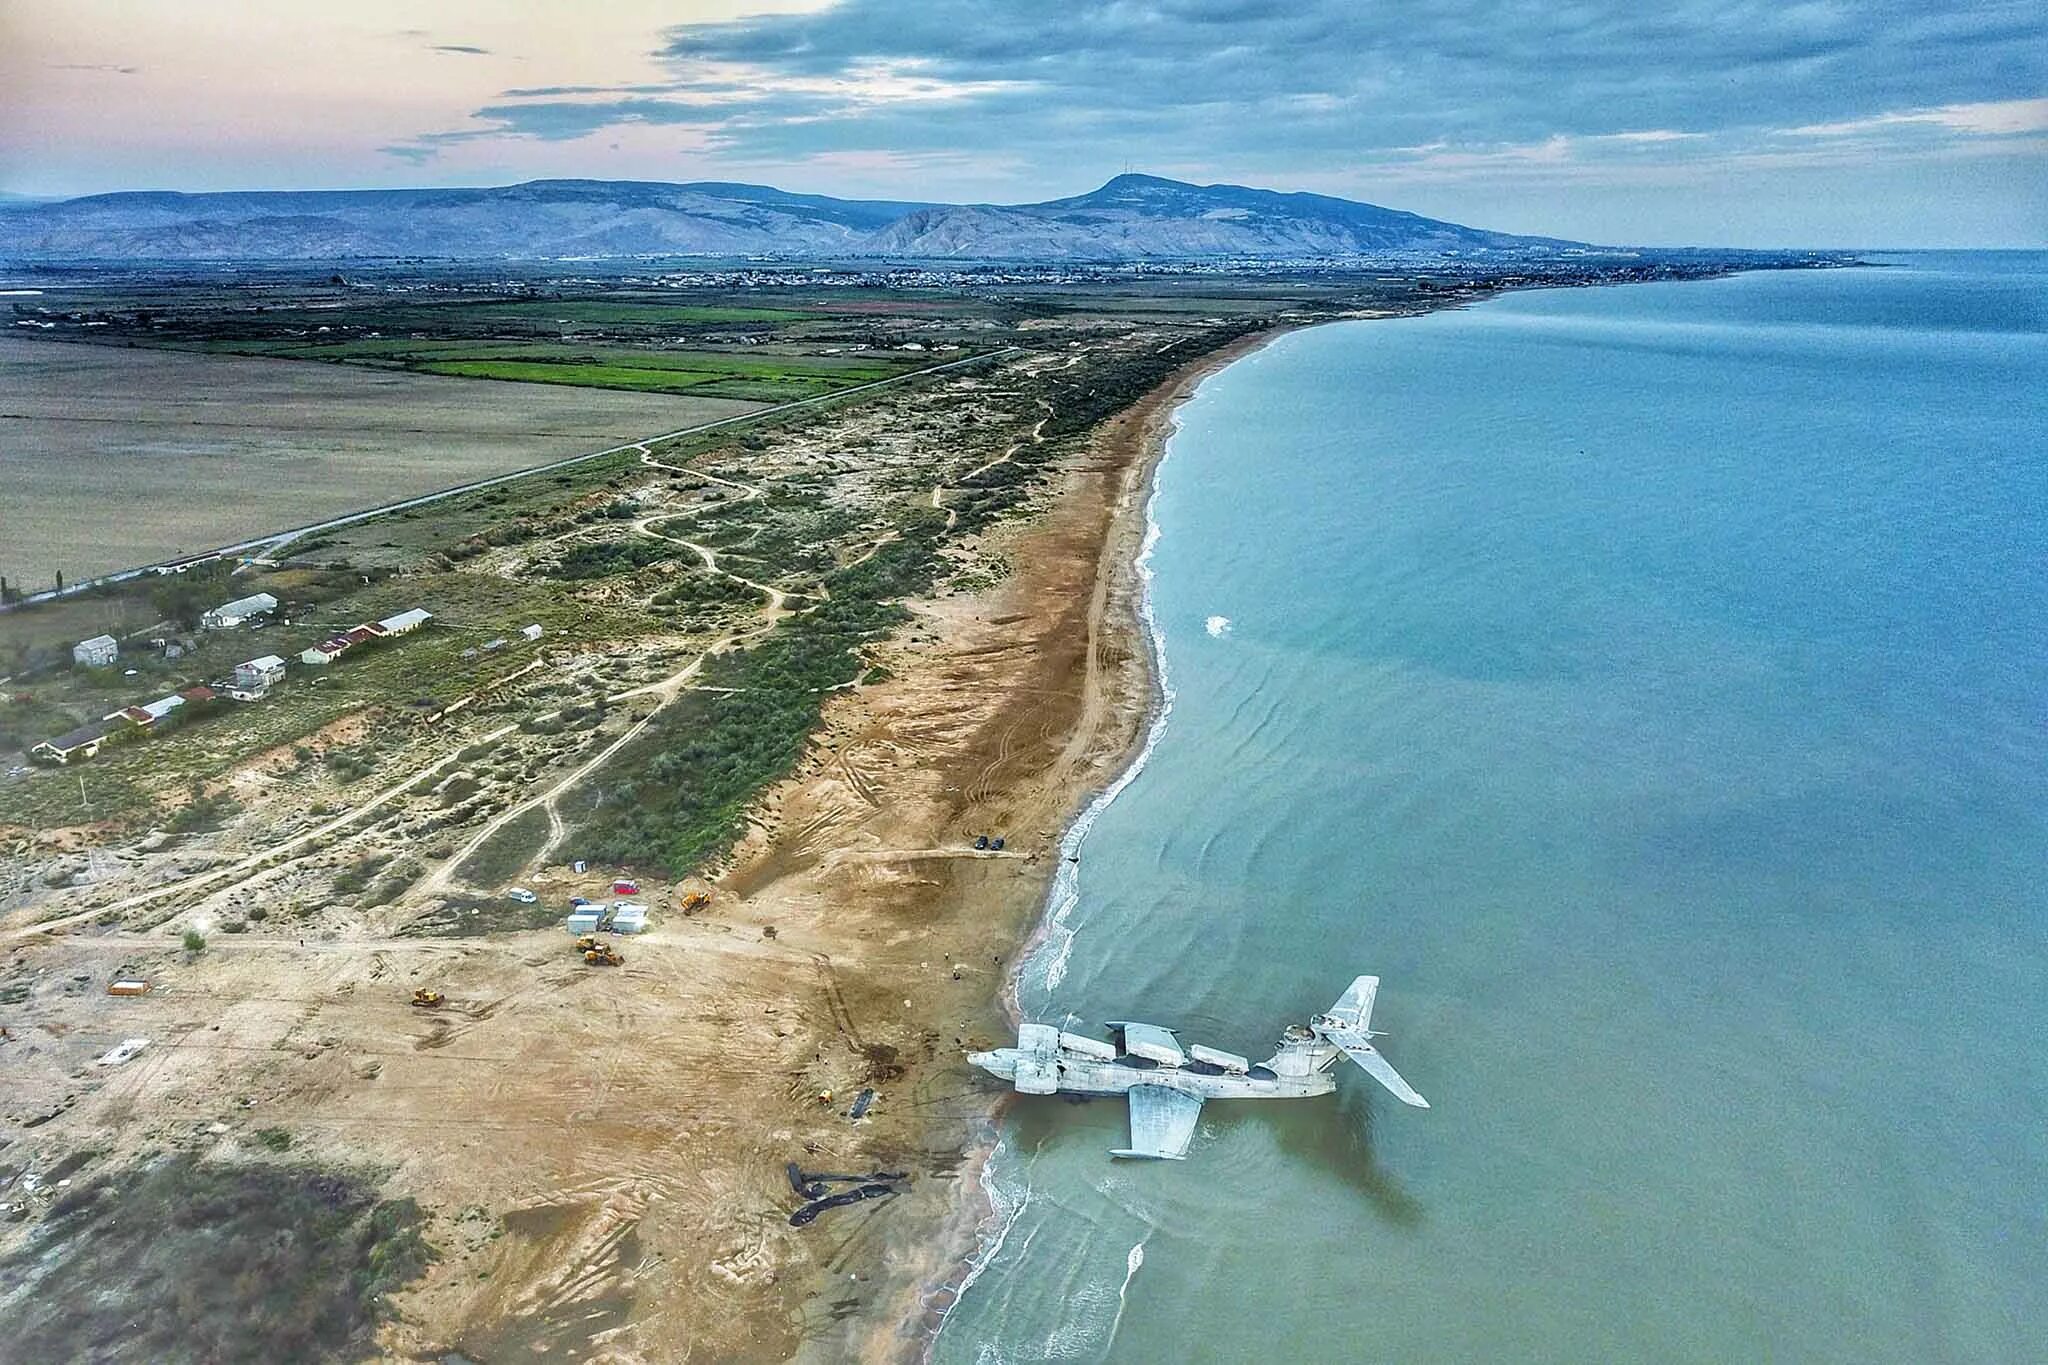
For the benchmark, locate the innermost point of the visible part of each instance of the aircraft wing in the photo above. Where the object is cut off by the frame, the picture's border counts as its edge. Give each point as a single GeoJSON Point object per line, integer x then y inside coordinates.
{"type": "Point", "coordinates": [1359, 1049]}
{"type": "Point", "coordinates": [1162, 1122]}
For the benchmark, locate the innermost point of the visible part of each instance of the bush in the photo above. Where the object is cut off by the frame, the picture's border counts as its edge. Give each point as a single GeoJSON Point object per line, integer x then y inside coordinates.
{"type": "Point", "coordinates": [608, 557]}
{"type": "Point", "coordinates": [243, 1262]}
{"type": "Point", "coordinates": [203, 813]}
{"type": "Point", "coordinates": [194, 941]}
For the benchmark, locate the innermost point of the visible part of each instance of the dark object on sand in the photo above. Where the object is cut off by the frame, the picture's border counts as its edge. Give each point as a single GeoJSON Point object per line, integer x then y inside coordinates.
{"type": "Point", "coordinates": [981, 841]}
{"type": "Point", "coordinates": [815, 1186]}
{"type": "Point", "coordinates": [997, 843]}
{"type": "Point", "coordinates": [860, 1104]}
{"type": "Point", "coordinates": [810, 1211]}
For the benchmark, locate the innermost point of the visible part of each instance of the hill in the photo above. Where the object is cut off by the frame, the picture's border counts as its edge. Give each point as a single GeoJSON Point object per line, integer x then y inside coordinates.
{"type": "Point", "coordinates": [1133, 217]}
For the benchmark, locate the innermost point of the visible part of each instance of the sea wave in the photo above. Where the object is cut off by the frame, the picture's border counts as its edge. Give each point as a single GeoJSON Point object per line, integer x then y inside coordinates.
{"type": "Point", "coordinates": [1056, 946]}
{"type": "Point", "coordinates": [1009, 1191]}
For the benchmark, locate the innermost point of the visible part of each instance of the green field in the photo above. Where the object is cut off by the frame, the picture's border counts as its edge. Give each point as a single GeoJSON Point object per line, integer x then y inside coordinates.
{"type": "Point", "coordinates": [704, 374]}
{"type": "Point", "coordinates": [759, 376]}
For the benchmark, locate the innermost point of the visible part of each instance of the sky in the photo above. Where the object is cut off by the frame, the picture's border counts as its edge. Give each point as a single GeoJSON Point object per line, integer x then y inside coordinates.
{"type": "Point", "coordinates": [1734, 122]}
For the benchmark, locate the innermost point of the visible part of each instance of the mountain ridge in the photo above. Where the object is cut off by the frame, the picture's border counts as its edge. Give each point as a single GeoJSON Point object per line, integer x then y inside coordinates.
{"type": "Point", "coordinates": [1131, 217]}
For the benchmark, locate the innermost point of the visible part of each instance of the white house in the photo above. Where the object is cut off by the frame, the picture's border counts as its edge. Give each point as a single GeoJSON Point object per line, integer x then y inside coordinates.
{"type": "Point", "coordinates": [149, 713]}
{"type": "Point", "coordinates": [232, 614]}
{"type": "Point", "coordinates": [83, 742]}
{"type": "Point", "coordinates": [98, 652]}
{"type": "Point", "coordinates": [404, 622]}
{"type": "Point", "coordinates": [258, 674]}
{"type": "Point", "coordinates": [531, 632]}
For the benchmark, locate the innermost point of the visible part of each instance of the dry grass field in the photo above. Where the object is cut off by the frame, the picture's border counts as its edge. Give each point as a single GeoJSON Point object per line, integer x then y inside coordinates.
{"type": "Point", "coordinates": [111, 457]}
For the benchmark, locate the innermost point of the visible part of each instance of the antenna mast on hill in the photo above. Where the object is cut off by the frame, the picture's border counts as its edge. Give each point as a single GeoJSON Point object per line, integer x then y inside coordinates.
{"type": "Point", "coordinates": [95, 871]}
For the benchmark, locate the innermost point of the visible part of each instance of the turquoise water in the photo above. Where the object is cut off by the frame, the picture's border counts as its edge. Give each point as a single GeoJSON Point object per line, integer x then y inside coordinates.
{"type": "Point", "coordinates": [1651, 684]}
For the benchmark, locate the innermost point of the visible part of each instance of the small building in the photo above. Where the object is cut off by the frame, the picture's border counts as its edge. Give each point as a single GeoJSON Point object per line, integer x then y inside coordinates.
{"type": "Point", "coordinates": [98, 652]}
{"type": "Point", "coordinates": [584, 921]}
{"type": "Point", "coordinates": [231, 614]}
{"type": "Point", "coordinates": [629, 919]}
{"type": "Point", "coordinates": [404, 623]}
{"type": "Point", "coordinates": [326, 652]}
{"type": "Point", "coordinates": [257, 674]}
{"type": "Point", "coordinates": [150, 712]}
{"type": "Point", "coordinates": [531, 632]}
{"type": "Point", "coordinates": [81, 743]}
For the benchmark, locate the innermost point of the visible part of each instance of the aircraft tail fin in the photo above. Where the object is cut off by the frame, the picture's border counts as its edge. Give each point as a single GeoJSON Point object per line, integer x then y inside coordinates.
{"type": "Point", "coordinates": [1354, 1008]}
{"type": "Point", "coordinates": [1347, 1026]}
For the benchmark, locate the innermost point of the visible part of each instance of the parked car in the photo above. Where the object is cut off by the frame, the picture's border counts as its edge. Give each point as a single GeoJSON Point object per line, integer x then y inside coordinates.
{"type": "Point", "coordinates": [522, 895]}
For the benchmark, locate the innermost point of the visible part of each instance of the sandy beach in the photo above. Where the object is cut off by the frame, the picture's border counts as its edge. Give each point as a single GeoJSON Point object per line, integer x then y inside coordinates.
{"type": "Point", "coordinates": [603, 1160]}
{"type": "Point", "coordinates": [1084, 692]}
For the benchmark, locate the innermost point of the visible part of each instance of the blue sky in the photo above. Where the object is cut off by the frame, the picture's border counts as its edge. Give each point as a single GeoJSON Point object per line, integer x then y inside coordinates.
{"type": "Point", "coordinates": [1870, 122]}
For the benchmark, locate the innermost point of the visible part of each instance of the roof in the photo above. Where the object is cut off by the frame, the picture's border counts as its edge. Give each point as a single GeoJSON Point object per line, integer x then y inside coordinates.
{"type": "Point", "coordinates": [162, 706]}
{"type": "Point", "coordinates": [361, 635]}
{"type": "Point", "coordinates": [199, 693]}
{"type": "Point", "coordinates": [406, 620]}
{"type": "Point", "coordinates": [98, 640]}
{"type": "Point", "coordinates": [79, 738]}
{"type": "Point", "coordinates": [266, 661]}
{"type": "Point", "coordinates": [246, 606]}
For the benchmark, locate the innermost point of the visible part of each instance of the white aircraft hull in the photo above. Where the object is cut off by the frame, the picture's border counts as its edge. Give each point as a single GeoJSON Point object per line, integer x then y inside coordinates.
{"type": "Point", "coordinates": [1118, 1078]}
{"type": "Point", "coordinates": [1167, 1083]}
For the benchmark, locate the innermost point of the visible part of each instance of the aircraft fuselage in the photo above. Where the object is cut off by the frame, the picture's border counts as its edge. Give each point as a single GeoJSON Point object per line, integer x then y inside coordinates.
{"type": "Point", "coordinates": [1089, 1076]}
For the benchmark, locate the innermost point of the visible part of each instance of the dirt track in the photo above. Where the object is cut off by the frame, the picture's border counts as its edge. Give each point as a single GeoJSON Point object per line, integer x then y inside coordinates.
{"type": "Point", "coordinates": [603, 1150]}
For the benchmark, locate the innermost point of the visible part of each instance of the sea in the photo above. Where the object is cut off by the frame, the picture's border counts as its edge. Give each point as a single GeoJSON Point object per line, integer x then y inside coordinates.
{"type": "Point", "coordinates": [1650, 685]}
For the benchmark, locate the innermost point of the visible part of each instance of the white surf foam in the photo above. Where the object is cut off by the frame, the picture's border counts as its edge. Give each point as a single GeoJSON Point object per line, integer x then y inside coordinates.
{"type": "Point", "coordinates": [1058, 945]}
{"type": "Point", "coordinates": [1009, 1193]}
{"type": "Point", "coordinates": [1217, 626]}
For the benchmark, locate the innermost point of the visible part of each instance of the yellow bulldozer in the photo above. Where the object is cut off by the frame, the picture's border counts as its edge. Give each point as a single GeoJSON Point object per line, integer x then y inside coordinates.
{"type": "Point", "coordinates": [695, 901]}
{"type": "Point", "coordinates": [428, 999]}
{"type": "Point", "coordinates": [597, 952]}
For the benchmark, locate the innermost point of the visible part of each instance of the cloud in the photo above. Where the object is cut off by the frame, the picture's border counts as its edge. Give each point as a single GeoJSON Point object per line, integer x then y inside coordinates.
{"type": "Point", "coordinates": [1294, 89]}
{"type": "Point", "coordinates": [1998, 118]}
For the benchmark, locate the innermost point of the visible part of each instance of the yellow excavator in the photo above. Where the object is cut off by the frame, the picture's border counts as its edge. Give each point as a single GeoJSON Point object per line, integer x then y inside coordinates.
{"type": "Point", "coordinates": [597, 952]}
{"type": "Point", "coordinates": [428, 999]}
{"type": "Point", "coordinates": [695, 901]}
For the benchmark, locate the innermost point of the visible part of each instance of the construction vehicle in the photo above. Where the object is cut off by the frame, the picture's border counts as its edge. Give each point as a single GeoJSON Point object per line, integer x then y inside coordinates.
{"type": "Point", "coordinates": [602, 955]}
{"type": "Point", "coordinates": [695, 901]}
{"type": "Point", "coordinates": [428, 1000]}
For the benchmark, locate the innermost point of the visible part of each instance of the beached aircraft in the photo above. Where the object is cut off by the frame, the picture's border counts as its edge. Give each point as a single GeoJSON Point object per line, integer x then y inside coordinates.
{"type": "Point", "coordinates": [1167, 1083]}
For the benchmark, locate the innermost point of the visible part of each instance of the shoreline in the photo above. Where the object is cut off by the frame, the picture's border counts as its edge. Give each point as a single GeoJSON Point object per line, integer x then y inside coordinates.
{"type": "Point", "coordinates": [1122, 604]}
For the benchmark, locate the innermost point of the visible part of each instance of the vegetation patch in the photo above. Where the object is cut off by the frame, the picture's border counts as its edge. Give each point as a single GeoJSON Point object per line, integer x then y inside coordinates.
{"type": "Point", "coordinates": [677, 796]}
{"type": "Point", "coordinates": [185, 1260]}
{"type": "Point", "coordinates": [505, 854]}
{"type": "Point", "coordinates": [604, 558]}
